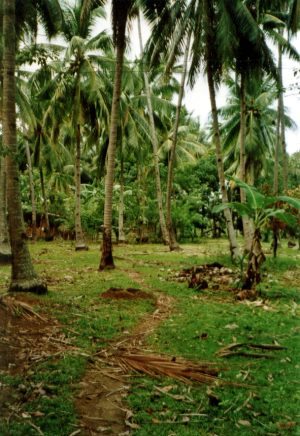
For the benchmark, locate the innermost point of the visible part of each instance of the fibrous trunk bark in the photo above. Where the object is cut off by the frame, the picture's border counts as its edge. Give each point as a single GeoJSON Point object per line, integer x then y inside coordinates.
{"type": "Point", "coordinates": [172, 240]}
{"type": "Point", "coordinates": [107, 261]}
{"type": "Point", "coordinates": [234, 249]}
{"type": "Point", "coordinates": [282, 124]}
{"type": "Point", "coordinates": [23, 276]}
{"type": "Point", "coordinates": [278, 128]}
{"type": "Point", "coordinates": [5, 249]}
{"type": "Point", "coordinates": [154, 141]}
{"type": "Point", "coordinates": [32, 193]}
{"type": "Point", "coordinates": [255, 260]}
{"type": "Point", "coordinates": [121, 203]}
{"type": "Point", "coordinates": [80, 242]}
{"type": "Point", "coordinates": [45, 201]}
{"type": "Point", "coordinates": [247, 227]}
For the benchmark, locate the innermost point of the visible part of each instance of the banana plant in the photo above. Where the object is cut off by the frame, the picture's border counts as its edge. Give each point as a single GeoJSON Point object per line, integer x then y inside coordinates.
{"type": "Point", "coordinates": [261, 209]}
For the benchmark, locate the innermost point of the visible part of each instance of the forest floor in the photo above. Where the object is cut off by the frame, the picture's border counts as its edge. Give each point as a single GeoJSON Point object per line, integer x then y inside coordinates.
{"type": "Point", "coordinates": [137, 351]}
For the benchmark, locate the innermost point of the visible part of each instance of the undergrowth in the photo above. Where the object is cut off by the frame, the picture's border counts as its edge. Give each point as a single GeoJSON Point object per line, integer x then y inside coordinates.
{"type": "Point", "coordinates": [202, 323]}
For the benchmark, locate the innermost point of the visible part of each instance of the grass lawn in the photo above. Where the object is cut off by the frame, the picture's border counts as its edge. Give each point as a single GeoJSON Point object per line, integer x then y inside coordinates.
{"type": "Point", "coordinates": [40, 399]}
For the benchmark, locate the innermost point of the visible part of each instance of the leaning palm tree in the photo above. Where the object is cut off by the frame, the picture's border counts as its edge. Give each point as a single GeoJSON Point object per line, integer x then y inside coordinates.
{"type": "Point", "coordinates": [23, 276]}
{"type": "Point", "coordinates": [172, 240]}
{"type": "Point", "coordinates": [154, 140]}
{"type": "Point", "coordinates": [202, 18]}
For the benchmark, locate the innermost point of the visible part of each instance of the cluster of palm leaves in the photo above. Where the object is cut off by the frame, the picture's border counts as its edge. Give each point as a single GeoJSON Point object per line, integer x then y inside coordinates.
{"type": "Point", "coordinates": [86, 107]}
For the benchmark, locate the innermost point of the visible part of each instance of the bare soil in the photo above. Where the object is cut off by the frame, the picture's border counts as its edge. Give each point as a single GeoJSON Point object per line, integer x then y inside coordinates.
{"type": "Point", "coordinates": [26, 338]}
{"type": "Point", "coordinates": [126, 294]}
{"type": "Point", "coordinates": [101, 403]}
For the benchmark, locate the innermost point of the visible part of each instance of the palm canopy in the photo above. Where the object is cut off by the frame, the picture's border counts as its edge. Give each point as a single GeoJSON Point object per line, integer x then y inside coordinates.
{"type": "Point", "coordinates": [260, 136]}
{"type": "Point", "coordinates": [235, 38]}
{"type": "Point", "coordinates": [79, 19]}
{"type": "Point", "coordinates": [30, 12]}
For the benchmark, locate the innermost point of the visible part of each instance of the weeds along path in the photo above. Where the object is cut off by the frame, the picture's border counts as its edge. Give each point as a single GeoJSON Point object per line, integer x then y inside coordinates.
{"type": "Point", "coordinates": [100, 403]}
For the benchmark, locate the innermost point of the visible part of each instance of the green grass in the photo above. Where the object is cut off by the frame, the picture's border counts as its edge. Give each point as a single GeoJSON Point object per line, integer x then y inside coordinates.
{"type": "Point", "coordinates": [269, 404]}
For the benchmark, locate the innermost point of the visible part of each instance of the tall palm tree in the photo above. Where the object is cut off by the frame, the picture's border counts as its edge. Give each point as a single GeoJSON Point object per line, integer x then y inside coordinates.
{"type": "Point", "coordinates": [213, 75]}
{"type": "Point", "coordinates": [260, 135]}
{"type": "Point", "coordinates": [172, 240]}
{"type": "Point", "coordinates": [278, 17]}
{"type": "Point", "coordinates": [120, 12]}
{"type": "Point", "coordinates": [162, 220]}
{"type": "Point", "coordinates": [202, 18]}
{"type": "Point", "coordinates": [248, 57]}
{"type": "Point", "coordinates": [23, 276]}
{"type": "Point", "coordinates": [5, 249]}
{"type": "Point", "coordinates": [77, 86]}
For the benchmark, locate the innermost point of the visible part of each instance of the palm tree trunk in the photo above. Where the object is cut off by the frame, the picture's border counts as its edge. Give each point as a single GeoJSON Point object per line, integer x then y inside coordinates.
{"type": "Point", "coordinates": [282, 126]}
{"type": "Point", "coordinates": [23, 276]}
{"type": "Point", "coordinates": [32, 193]}
{"type": "Point", "coordinates": [5, 250]}
{"type": "Point", "coordinates": [121, 202]}
{"type": "Point", "coordinates": [234, 249]}
{"type": "Point", "coordinates": [255, 260]}
{"type": "Point", "coordinates": [154, 141]}
{"type": "Point", "coordinates": [107, 261]}
{"type": "Point", "coordinates": [172, 240]}
{"type": "Point", "coordinates": [242, 173]}
{"type": "Point", "coordinates": [80, 243]}
{"type": "Point", "coordinates": [277, 151]}
{"type": "Point", "coordinates": [45, 201]}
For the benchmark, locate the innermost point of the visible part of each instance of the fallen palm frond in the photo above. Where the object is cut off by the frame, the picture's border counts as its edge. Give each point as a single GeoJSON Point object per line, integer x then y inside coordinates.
{"type": "Point", "coordinates": [227, 351]}
{"type": "Point", "coordinates": [19, 307]}
{"type": "Point", "coordinates": [182, 370]}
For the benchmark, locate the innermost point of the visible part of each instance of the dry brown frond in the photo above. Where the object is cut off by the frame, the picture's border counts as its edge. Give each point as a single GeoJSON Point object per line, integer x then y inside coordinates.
{"type": "Point", "coordinates": [182, 370]}
{"type": "Point", "coordinates": [19, 308]}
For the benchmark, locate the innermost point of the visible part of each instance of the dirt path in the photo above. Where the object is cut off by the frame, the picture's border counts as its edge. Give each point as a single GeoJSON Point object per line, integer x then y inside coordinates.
{"type": "Point", "coordinates": [101, 401]}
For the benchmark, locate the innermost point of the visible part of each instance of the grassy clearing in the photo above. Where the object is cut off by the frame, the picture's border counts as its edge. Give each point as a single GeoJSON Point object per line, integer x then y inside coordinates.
{"type": "Point", "coordinates": [201, 324]}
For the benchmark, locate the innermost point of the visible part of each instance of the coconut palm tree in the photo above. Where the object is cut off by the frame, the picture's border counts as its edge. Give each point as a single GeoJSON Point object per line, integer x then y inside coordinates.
{"type": "Point", "coordinates": [121, 10]}
{"type": "Point", "coordinates": [23, 276]}
{"type": "Point", "coordinates": [162, 220]}
{"type": "Point", "coordinates": [277, 18]}
{"type": "Point", "coordinates": [172, 240]}
{"type": "Point", "coordinates": [77, 90]}
{"type": "Point", "coordinates": [202, 18]}
{"type": "Point", "coordinates": [5, 249]}
{"type": "Point", "coordinates": [260, 135]}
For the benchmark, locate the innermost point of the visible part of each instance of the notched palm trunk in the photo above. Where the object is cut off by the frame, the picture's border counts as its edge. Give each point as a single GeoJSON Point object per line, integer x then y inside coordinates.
{"type": "Point", "coordinates": [23, 276]}
{"type": "Point", "coordinates": [208, 11]}
{"type": "Point", "coordinates": [5, 249]}
{"type": "Point", "coordinates": [107, 261]}
{"type": "Point", "coordinates": [255, 260]}
{"type": "Point", "coordinates": [80, 242]}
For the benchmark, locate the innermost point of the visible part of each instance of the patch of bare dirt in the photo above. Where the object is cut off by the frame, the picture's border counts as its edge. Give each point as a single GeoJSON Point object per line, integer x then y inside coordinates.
{"type": "Point", "coordinates": [26, 338]}
{"type": "Point", "coordinates": [101, 401]}
{"type": "Point", "coordinates": [126, 294]}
